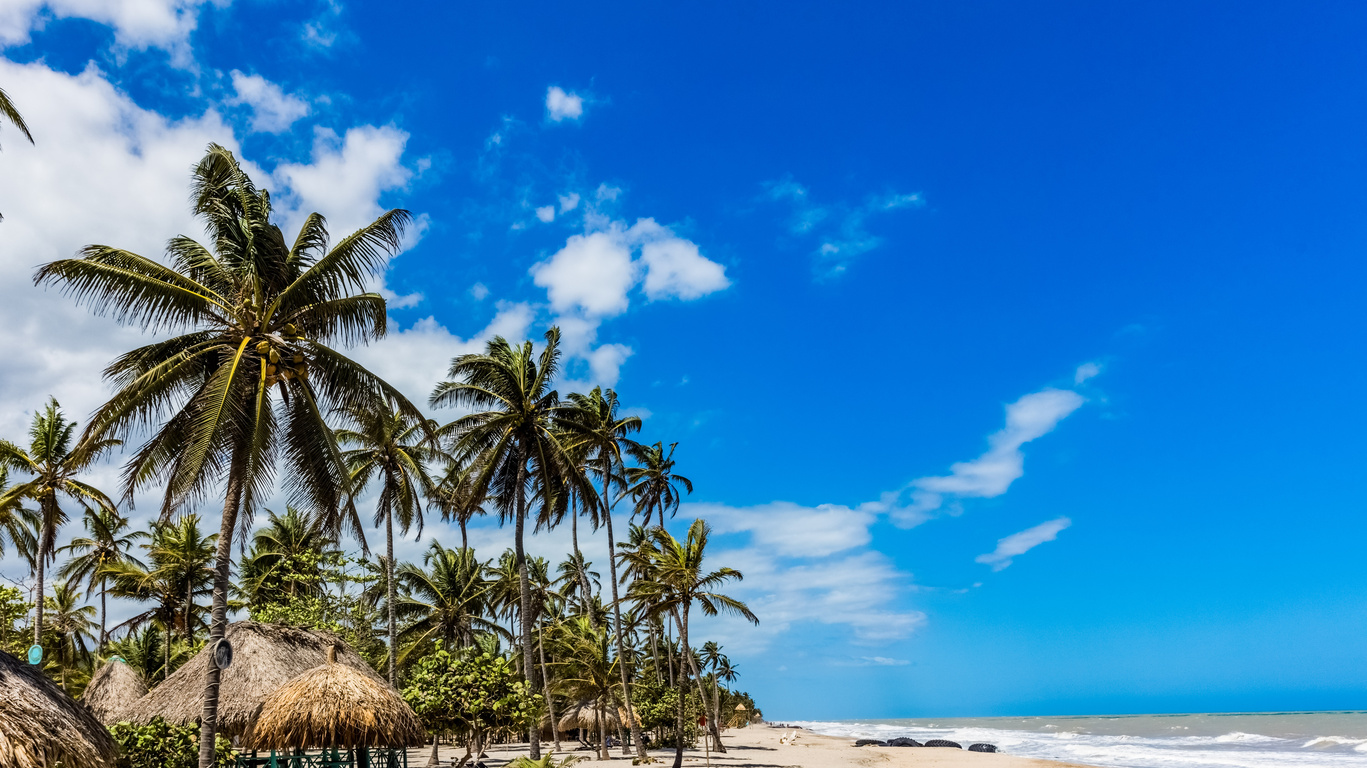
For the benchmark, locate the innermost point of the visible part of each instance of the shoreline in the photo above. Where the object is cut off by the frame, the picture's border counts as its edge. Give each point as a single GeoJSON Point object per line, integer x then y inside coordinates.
{"type": "Point", "coordinates": [758, 746]}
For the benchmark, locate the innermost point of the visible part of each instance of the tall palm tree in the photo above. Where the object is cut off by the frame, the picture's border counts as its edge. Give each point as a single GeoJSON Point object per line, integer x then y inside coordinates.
{"type": "Point", "coordinates": [284, 558]}
{"type": "Point", "coordinates": [587, 669]}
{"type": "Point", "coordinates": [512, 439]}
{"type": "Point", "coordinates": [447, 601]}
{"type": "Point", "coordinates": [654, 484]}
{"type": "Point", "coordinates": [248, 374]}
{"type": "Point", "coordinates": [54, 462]}
{"type": "Point", "coordinates": [391, 445]}
{"type": "Point", "coordinates": [593, 422]}
{"type": "Point", "coordinates": [69, 630]}
{"type": "Point", "coordinates": [109, 542]}
{"type": "Point", "coordinates": [677, 581]}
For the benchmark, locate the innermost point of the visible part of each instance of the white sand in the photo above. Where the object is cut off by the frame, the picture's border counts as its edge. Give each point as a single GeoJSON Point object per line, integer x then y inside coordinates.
{"type": "Point", "coordinates": [759, 747]}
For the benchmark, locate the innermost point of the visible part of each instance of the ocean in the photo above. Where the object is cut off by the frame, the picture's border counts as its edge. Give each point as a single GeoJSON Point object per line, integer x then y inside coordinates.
{"type": "Point", "coordinates": [1235, 740]}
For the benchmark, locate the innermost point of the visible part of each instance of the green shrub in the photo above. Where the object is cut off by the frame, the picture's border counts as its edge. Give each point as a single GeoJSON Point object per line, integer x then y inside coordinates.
{"type": "Point", "coordinates": [160, 744]}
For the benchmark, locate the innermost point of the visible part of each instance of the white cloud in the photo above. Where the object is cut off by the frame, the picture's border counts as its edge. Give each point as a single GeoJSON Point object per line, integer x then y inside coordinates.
{"type": "Point", "coordinates": [273, 110]}
{"type": "Point", "coordinates": [992, 473]}
{"type": "Point", "coordinates": [569, 202]}
{"type": "Point", "coordinates": [415, 358]}
{"type": "Point", "coordinates": [790, 529]}
{"type": "Point", "coordinates": [842, 228]}
{"type": "Point", "coordinates": [137, 24]}
{"type": "Point", "coordinates": [1085, 372]}
{"type": "Point", "coordinates": [883, 661]}
{"type": "Point", "coordinates": [563, 106]}
{"type": "Point", "coordinates": [1019, 543]}
{"type": "Point", "coordinates": [591, 278]}
{"type": "Point", "coordinates": [479, 291]}
{"type": "Point", "coordinates": [546, 213]}
{"type": "Point", "coordinates": [591, 274]}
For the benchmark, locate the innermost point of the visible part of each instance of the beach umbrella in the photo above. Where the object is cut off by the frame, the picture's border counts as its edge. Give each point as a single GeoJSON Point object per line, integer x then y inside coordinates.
{"type": "Point", "coordinates": [113, 690]}
{"type": "Point", "coordinates": [40, 725]}
{"type": "Point", "coordinates": [264, 658]}
{"type": "Point", "coordinates": [334, 705]}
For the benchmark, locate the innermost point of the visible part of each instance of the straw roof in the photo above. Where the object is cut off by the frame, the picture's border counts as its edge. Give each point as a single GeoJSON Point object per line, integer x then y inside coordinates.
{"type": "Point", "coordinates": [113, 689]}
{"type": "Point", "coordinates": [584, 715]}
{"type": "Point", "coordinates": [40, 725]}
{"type": "Point", "coordinates": [265, 657]}
{"type": "Point", "coordinates": [334, 706]}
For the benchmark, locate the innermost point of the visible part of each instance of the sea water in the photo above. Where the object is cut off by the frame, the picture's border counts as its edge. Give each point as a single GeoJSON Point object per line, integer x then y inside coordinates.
{"type": "Point", "coordinates": [1237, 740]}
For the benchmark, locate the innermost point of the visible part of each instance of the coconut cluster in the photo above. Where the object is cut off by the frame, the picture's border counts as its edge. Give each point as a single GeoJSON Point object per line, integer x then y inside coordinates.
{"type": "Point", "coordinates": [281, 358]}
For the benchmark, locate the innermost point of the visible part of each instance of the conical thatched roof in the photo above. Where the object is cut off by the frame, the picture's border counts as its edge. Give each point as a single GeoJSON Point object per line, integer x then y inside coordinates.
{"type": "Point", "coordinates": [584, 715]}
{"type": "Point", "coordinates": [265, 657]}
{"type": "Point", "coordinates": [334, 706]}
{"type": "Point", "coordinates": [41, 725]}
{"type": "Point", "coordinates": [113, 690]}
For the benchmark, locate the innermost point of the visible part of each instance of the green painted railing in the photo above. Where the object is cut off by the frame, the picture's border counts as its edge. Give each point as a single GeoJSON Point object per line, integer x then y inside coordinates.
{"type": "Point", "coordinates": [327, 758]}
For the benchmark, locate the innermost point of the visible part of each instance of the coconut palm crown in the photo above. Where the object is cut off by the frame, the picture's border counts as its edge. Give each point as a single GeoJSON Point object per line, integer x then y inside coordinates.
{"type": "Point", "coordinates": [249, 369]}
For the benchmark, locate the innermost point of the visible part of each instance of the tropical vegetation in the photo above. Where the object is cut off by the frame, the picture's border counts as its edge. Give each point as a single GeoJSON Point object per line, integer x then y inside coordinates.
{"type": "Point", "coordinates": [248, 395]}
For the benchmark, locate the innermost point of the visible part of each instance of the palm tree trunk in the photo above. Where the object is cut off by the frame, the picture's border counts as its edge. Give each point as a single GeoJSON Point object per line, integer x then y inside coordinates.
{"type": "Point", "coordinates": [464, 539]}
{"type": "Point", "coordinates": [526, 614]}
{"type": "Point", "coordinates": [579, 556]}
{"type": "Point", "coordinates": [546, 683]}
{"type": "Point", "coordinates": [602, 731]}
{"type": "Point", "coordinates": [41, 562]}
{"type": "Point", "coordinates": [389, 586]}
{"type": "Point", "coordinates": [166, 654]}
{"type": "Point", "coordinates": [104, 614]}
{"type": "Point", "coordinates": [617, 619]}
{"type": "Point", "coordinates": [716, 708]}
{"type": "Point", "coordinates": [218, 624]}
{"type": "Point", "coordinates": [697, 676]}
{"type": "Point", "coordinates": [654, 651]}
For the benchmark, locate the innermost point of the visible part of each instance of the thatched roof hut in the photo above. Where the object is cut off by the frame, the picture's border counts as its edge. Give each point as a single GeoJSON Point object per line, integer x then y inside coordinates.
{"type": "Point", "coordinates": [265, 657]}
{"type": "Point", "coordinates": [334, 706]}
{"type": "Point", "coordinates": [585, 715]}
{"type": "Point", "coordinates": [40, 725]}
{"type": "Point", "coordinates": [113, 690]}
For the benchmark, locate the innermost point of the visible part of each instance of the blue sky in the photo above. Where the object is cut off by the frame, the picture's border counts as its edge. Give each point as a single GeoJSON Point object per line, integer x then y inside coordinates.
{"type": "Point", "coordinates": [1016, 352]}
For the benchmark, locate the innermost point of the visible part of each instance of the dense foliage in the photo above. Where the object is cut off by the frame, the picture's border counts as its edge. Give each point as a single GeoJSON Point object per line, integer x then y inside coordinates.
{"type": "Point", "coordinates": [471, 695]}
{"type": "Point", "coordinates": [160, 744]}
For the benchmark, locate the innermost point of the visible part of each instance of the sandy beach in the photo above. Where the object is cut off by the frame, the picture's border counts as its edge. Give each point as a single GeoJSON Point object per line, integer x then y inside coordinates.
{"type": "Point", "coordinates": [759, 747]}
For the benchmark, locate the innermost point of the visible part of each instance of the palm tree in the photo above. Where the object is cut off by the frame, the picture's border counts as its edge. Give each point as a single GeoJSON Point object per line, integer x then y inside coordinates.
{"type": "Point", "coordinates": [579, 579]}
{"type": "Point", "coordinates": [454, 496]}
{"type": "Point", "coordinates": [11, 113]}
{"type": "Point", "coordinates": [677, 581]}
{"type": "Point", "coordinates": [177, 573]}
{"type": "Point", "coordinates": [593, 422]}
{"type": "Point", "coordinates": [284, 558]}
{"type": "Point", "coordinates": [712, 657]}
{"type": "Point", "coordinates": [726, 670]}
{"type": "Point", "coordinates": [511, 438]}
{"type": "Point", "coordinates": [17, 524]}
{"type": "Point", "coordinates": [109, 542]}
{"type": "Point", "coordinates": [389, 444]}
{"type": "Point", "coordinates": [654, 485]}
{"type": "Point", "coordinates": [53, 462]}
{"type": "Point", "coordinates": [70, 627]}
{"type": "Point", "coordinates": [255, 316]}
{"type": "Point", "coordinates": [448, 602]}
{"type": "Point", "coordinates": [587, 669]}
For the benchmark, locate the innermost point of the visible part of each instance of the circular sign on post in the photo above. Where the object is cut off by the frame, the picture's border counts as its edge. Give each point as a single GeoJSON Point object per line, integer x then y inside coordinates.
{"type": "Point", "coordinates": [35, 654]}
{"type": "Point", "coordinates": [223, 654]}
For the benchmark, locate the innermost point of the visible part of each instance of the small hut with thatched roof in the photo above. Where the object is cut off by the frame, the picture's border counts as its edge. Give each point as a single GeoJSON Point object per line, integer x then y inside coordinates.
{"type": "Point", "coordinates": [334, 706]}
{"type": "Point", "coordinates": [265, 657]}
{"type": "Point", "coordinates": [585, 714]}
{"type": "Point", "coordinates": [113, 690]}
{"type": "Point", "coordinates": [40, 725]}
